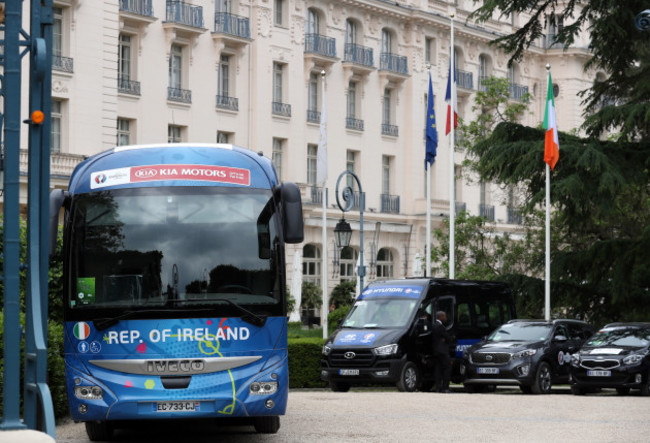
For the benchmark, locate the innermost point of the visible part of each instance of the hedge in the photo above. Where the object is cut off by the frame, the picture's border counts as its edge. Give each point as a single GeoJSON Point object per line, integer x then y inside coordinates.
{"type": "Point", "coordinates": [304, 363]}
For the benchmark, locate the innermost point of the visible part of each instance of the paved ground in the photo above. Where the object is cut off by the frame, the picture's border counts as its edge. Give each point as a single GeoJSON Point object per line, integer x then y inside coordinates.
{"type": "Point", "coordinates": [388, 416]}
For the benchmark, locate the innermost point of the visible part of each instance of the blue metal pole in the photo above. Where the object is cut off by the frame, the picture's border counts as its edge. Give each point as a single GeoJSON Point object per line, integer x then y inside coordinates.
{"type": "Point", "coordinates": [11, 236]}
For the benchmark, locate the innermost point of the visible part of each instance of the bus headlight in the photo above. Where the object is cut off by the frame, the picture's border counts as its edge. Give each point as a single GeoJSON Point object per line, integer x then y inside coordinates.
{"type": "Point", "coordinates": [88, 392]}
{"type": "Point", "coordinates": [386, 350]}
{"type": "Point", "coordinates": [263, 387]}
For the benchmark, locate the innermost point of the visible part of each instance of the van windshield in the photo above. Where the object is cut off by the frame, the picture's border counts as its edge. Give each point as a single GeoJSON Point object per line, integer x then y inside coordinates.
{"type": "Point", "coordinates": [380, 313]}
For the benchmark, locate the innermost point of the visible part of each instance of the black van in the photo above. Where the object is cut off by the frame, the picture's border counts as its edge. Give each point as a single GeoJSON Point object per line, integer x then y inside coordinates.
{"type": "Point", "coordinates": [386, 336]}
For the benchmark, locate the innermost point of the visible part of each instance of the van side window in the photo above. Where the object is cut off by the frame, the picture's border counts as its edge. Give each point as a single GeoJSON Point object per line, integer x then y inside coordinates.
{"type": "Point", "coordinates": [464, 318]}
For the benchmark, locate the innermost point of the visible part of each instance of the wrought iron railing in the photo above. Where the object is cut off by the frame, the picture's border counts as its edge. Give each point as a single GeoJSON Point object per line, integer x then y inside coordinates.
{"type": "Point", "coordinates": [387, 129]}
{"type": "Point", "coordinates": [140, 7]}
{"type": "Point", "coordinates": [358, 54]}
{"type": "Point", "coordinates": [354, 123]}
{"type": "Point", "coordinates": [184, 13]}
{"type": "Point", "coordinates": [232, 24]}
{"type": "Point", "coordinates": [464, 79]}
{"type": "Point", "coordinates": [63, 64]}
{"type": "Point", "coordinates": [517, 91]}
{"type": "Point", "coordinates": [394, 63]}
{"type": "Point", "coordinates": [514, 216]}
{"type": "Point", "coordinates": [461, 206]}
{"type": "Point", "coordinates": [486, 211]}
{"type": "Point", "coordinates": [320, 44]}
{"type": "Point", "coordinates": [390, 203]}
{"type": "Point", "coordinates": [179, 95]}
{"type": "Point", "coordinates": [313, 116]}
{"type": "Point", "coordinates": [126, 86]}
{"type": "Point", "coordinates": [482, 79]}
{"type": "Point", "coordinates": [225, 102]}
{"type": "Point", "coordinates": [316, 195]}
{"type": "Point", "coordinates": [283, 109]}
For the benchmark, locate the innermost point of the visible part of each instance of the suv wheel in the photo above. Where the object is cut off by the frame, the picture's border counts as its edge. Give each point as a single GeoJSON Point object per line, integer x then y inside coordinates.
{"type": "Point", "coordinates": [408, 380]}
{"type": "Point", "coordinates": [339, 386]}
{"type": "Point", "coordinates": [542, 383]}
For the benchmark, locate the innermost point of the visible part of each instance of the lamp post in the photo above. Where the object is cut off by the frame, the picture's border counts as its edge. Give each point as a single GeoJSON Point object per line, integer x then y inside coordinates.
{"type": "Point", "coordinates": [342, 231]}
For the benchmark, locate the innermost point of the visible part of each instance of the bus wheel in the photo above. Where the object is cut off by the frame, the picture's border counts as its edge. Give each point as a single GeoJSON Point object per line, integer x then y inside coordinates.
{"type": "Point", "coordinates": [267, 425]}
{"type": "Point", "coordinates": [99, 430]}
{"type": "Point", "coordinates": [339, 387]}
{"type": "Point", "coordinates": [408, 380]}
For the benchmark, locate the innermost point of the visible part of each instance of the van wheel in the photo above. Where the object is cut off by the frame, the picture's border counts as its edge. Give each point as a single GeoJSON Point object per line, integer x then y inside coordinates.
{"type": "Point", "coordinates": [409, 378]}
{"type": "Point", "coordinates": [267, 424]}
{"type": "Point", "coordinates": [542, 383]}
{"type": "Point", "coordinates": [339, 386]}
{"type": "Point", "coordinates": [99, 431]}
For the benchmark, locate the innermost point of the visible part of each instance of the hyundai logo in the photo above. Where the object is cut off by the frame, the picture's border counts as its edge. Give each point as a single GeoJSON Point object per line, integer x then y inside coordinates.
{"type": "Point", "coordinates": [349, 355]}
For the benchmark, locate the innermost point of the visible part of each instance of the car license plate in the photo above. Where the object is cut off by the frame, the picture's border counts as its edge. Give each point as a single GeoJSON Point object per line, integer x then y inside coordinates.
{"type": "Point", "coordinates": [348, 372]}
{"type": "Point", "coordinates": [487, 370]}
{"type": "Point", "coordinates": [176, 406]}
{"type": "Point", "coordinates": [599, 373]}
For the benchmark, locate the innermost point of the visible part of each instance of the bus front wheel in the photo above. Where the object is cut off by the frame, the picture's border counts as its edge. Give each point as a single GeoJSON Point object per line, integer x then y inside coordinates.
{"type": "Point", "coordinates": [99, 430]}
{"type": "Point", "coordinates": [267, 425]}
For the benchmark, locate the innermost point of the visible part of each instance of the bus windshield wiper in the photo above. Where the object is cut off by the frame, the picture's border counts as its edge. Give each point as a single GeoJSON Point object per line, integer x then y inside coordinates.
{"type": "Point", "coordinates": [248, 317]}
{"type": "Point", "coordinates": [107, 322]}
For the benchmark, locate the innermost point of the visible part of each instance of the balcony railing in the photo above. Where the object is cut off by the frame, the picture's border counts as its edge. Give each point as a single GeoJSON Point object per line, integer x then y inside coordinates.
{"type": "Point", "coordinates": [225, 102]}
{"type": "Point", "coordinates": [549, 42]}
{"type": "Point", "coordinates": [486, 211]}
{"type": "Point", "coordinates": [179, 95]}
{"type": "Point", "coordinates": [354, 123]}
{"type": "Point", "coordinates": [313, 116]}
{"type": "Point", "coordinates": [394, 63]}
{"type": "Point", "coordinates": [232, 24]}
{"type": "Point", "coordinates": [320, 44]}
{"type": "Point", "coordinates": [357, 201]}
{"type": "Point", "coordinates": [481, 83]}
{"type": "Point", "coordinates": [126, 86]}
{"type": "Point", "coordinates": [184, 14]}
{"type": "Point", "coordinates": [316, 195]}
{"type": "Point", "coordinates": [461, 206]}
{"type": "Point", "coordinates": [61, 165]}
{"type": "Point", "coordinates": [389, 130]}
{"type": "Point", "coordinates": [390, 203]}
{"type": "Point", "coordinates": [282, 109]}
{"type": "Point", "coordinates": [464, 79]}
{"type": "Point", "coordinates": [514, 216]}
{"type": "Point", "coordinates": [139, 7]}
{"type": "Point", "coordinates": [517, 91]}
{"type": "Point", "coordinates": [63, 64]}
{"type": "Point", "coordinates": [358, 54]}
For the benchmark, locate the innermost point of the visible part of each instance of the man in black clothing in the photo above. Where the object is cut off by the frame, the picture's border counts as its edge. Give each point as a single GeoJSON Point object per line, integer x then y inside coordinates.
{"type": "Point", "coordinates": [441, 359]}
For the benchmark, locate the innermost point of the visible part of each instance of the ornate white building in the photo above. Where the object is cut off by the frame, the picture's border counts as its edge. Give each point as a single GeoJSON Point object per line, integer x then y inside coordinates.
{"type": "Point", "coordinates": [249, 73]}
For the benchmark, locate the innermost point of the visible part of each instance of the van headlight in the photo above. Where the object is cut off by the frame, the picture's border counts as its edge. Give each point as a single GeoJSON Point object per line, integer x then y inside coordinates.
{"type": "Point", "coordinates": [386, 350]}
{"type": "Point", "coordinates": [326, 350]}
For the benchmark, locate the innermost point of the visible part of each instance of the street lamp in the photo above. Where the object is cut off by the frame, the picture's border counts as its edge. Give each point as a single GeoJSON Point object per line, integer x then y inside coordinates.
{"type": "Point", "coordinates": [342, 231]}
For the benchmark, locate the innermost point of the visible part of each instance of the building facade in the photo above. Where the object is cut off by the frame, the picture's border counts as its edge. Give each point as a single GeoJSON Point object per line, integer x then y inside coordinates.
{"type": "Point", "coordinates": [249, 73]}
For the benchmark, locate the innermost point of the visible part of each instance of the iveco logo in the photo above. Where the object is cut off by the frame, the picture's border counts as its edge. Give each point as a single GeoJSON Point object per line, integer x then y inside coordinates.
{"type": "Point", "coordinates": [488, 357]}
{"type": "Point", "coordinates": [349, 355]}
{"type": "Point", "coordinates": [175, 366]}
{"type": "Point", "coordinates": [144, 173]}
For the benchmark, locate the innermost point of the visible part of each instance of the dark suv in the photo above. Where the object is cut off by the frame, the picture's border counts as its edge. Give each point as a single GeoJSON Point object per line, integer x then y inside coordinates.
{"type": "Point", "coordinates": [617, 356]}
{"type": "Point", "coordinates": [531, 354]}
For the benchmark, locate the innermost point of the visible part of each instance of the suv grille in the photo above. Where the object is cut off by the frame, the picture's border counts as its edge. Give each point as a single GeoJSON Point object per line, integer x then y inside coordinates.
{"type": "Point", "coordinates": [495, 358]}
{"type": "Point", "coordinates": [600, 364]}
{"type": "Point", "coordinates": [362, 358]}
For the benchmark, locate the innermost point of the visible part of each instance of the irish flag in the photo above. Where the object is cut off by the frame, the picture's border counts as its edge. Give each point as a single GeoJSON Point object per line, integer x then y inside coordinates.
{"type": "Point", "coordinates": [551, 143]}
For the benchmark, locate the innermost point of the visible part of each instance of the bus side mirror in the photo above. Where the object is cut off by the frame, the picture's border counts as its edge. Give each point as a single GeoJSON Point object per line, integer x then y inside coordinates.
{"type": "Point", "coordinates": [58, 198]}
{"type": "Point", "coordinates": [291, 213]}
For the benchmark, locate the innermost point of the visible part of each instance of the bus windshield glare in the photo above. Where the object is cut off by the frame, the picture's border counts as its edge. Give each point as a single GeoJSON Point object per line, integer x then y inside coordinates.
{"type": "Point", "coordinates": [174, 247]}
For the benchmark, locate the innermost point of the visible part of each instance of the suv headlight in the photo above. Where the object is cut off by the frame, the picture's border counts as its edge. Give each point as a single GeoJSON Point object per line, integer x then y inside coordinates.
{"type": "Point", "coordinates": [633, 360]}
{"type": "Point", "coordinates": [326, 350]}
{"type": "Point", "coordinates": [386, 350]}
{"type": "Point", "coordinates": [524, 353]}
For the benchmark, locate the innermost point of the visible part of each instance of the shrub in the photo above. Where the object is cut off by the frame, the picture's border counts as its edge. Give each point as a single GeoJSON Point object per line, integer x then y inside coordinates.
{"type": "Point", "coordinates": [304, 363]}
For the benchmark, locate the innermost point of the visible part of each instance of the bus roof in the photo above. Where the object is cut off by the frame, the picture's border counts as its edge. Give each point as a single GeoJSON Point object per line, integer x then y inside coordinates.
{"type": "Point", "coordinates": [174, 164]}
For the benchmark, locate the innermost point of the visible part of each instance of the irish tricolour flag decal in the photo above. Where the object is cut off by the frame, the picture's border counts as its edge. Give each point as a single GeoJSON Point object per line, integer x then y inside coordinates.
{"type": "Point", "coordinates": [81, 330]}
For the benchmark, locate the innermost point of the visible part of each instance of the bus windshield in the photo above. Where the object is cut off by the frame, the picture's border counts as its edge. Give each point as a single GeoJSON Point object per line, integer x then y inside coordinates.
{"type": "Point", "coordinates": [174, 247]}
{"type": "Point", "coordinates": [380, 313]}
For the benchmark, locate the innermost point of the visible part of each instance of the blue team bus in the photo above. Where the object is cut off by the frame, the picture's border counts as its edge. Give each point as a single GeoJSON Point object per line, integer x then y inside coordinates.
{"type": "Point", "coordinates": [174, 285]}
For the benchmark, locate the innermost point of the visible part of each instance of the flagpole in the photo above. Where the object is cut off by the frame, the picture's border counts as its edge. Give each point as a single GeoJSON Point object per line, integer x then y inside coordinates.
{"type": "Point", "coordinates": [452, 184]}
{"type": "Point", "coordinates": [427, 269]}
{"type": "Point", "coordinates": [547, 276]}
{"type": "Point", "coordinates": [323, 145]}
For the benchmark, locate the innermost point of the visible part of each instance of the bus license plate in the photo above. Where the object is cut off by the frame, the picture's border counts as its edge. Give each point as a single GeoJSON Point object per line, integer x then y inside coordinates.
{"type": "Point", "coordinates": [348, 372]}
{"type": "Point", "coordinates": [599, 373]}
{"type": "Point", "coordinates": [488, 370]}
{"type": "Point", "coordinates": [176, 406]}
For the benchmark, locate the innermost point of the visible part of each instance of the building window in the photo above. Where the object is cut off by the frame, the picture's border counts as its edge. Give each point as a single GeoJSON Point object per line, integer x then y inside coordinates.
{"type": "Point", "coordinates": [348, 263]}
{"type": "Point", "coordinates": [312, 161]}
{"type": "Point", "coordinates": [350, 165]}
{"type": "Point", "coordinates": [57, 32]}
{"type": "Point", "coordinates": [276, 156]}
{"type": "Point", "coordinates": [223, 137]}
{"type": "Point", "coordinates": [174, 134]}
{"type": "Point", "coordinates": [311, 263]}
{"type": "Point", "coordinates": [386, 42]}
{"type": "Point", "coordinates": [313, 22]}
{"type": "Point", "coordinates": [124, 58]}
{"type": "Point", "coordinates": [429, 50]}
{"type": "Point", "coordinates": [385, 174]}
{"type": "Point", "coordinates": [278, 71]}
{"type": "Point", "coordinates": [384, 264]}
{"type": "Point", "coordinates": [223, 86]}
{"type": "Point", "coordinates": [56, 126]}
{"type": "Point", "coordinates": [386, 110]}
{"type": "Point", "coordinates": [350, 32]}
{"type": "Point", "coordinates": [223, 6]}
{"type": "Point", "coordinates": [176, 67]}
{"type": "Point", "coordinates": [312, 98]}
{"type": "Point", "coordinates": [352, 100]}
{"type": "Point", "coordinates": [60, 40]}
{"type": "Point", "coordinates": [278, 12]}
{"type": "Point", "coordinates": [123, 132]}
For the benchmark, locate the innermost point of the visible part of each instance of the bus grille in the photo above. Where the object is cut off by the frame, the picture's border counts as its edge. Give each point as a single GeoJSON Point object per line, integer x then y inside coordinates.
{"type": "Point", "coordinates": [362, 358]}
{"type": "Point", "coordinates": [495, 358]}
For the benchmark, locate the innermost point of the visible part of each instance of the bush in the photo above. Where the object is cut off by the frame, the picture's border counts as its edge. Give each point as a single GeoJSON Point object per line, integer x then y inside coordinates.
{"type": "Point", "coordinates": [304, 363]}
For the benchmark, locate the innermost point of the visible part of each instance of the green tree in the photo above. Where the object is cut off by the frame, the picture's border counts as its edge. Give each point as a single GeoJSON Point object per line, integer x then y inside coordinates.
{"type": "Point", "coordinates": [343, 294]}
{"type": "Point", "coordinates": [311, 299]}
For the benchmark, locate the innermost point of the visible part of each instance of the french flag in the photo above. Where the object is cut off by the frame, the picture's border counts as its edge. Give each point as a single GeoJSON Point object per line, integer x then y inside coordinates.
{"type": "Point", "coordinates": [452, 103]}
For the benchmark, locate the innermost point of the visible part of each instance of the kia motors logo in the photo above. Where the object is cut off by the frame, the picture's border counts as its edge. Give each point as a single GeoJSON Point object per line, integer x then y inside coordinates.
{"type": "Point", "coordinates": [488, 357]}
{"type": "Point", "coordinates": [146, 173]}
{"type": "Point", "coordinates": [349, 355]}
